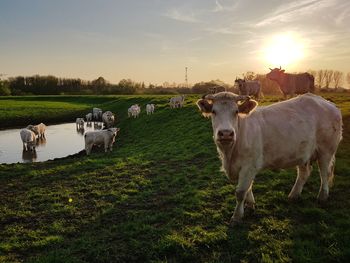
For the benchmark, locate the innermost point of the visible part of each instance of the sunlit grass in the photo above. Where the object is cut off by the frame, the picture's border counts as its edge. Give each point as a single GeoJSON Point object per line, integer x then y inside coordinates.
{"type": "Point", "coordinates": [159, 196]}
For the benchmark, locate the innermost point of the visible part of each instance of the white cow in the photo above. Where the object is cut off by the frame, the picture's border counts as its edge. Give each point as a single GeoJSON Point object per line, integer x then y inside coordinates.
{"type": "Point", "coordinates": [39, 129]}
{"type": "Point", "coordinates": [134, 111]}
{"type": "Point", "coordinates": [150, 109]}
{"type": "Point", "coordinates": [28, 139]}
{"type": "Point", "coordinates": [97, 114]}
{"type": "Point", "coordinates": [102, 137]}
{"type": "Point", "coordinates": [177, 102]}
{"type": "Point", "coordinates": [249, 87]}
{"type": "Point", "coordinates": [108, 119]}
{"type": "Point", "coordinates": [286, 134]}
{"type": "Point", "coordinates": [88, 117]}
{"type": "Point", "coordinates": [79, 122]}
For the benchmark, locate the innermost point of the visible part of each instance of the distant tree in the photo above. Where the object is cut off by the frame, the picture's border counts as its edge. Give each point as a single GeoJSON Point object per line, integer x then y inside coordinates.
{"type": "Point", "coordinates": [328, 77]}
{"type": "Point", "coordinates": [337, 78]}
{"type": "Point", "coordinates": [320, 76]}
{"type": "Point", "coordinates": [348, 78]}
{"type": "Point", "coordinates": [249, 75]}
{"type": "Point", "coordinates": [209, 87]}
{"type": "Point", "coordinates": [4, 88]}
{"type": "Point", "coordinates": [126, 86]}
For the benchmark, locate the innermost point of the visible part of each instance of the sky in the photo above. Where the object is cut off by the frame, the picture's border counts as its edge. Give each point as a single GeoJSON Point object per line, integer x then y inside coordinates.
{"type": "Point", "coordinates": [154, 40]}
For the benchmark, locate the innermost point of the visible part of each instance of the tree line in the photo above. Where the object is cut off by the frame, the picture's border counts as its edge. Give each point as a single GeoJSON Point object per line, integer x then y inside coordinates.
{"type": "Point", "coordinates": [325, 80]}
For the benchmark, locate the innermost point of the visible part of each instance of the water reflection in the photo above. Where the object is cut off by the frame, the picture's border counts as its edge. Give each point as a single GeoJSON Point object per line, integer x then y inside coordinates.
{"type": "Point", "coordinates": [98, 125]}
{"type": "Point", "coordinates": [61, 140]}
{"type": "Point", "coordinates": [29, 156]}
{"type": "Point", "coordinates": [41, 141]}
{"type": "Point", "coordinates": [80, 130]}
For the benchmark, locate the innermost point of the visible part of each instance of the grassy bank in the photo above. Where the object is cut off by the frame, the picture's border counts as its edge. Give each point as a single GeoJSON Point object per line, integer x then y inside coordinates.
{"type": "Point", "coordinates": [159, 196]}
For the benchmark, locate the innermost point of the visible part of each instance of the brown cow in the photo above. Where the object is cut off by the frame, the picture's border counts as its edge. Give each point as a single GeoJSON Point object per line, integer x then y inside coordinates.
{"type": "Point", "coordinates": [291, 84]}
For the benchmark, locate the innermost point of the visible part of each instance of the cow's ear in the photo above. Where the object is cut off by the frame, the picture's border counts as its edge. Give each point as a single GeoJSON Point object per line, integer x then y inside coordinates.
{"type": "Point", "coordinates": [247, 106]}
{"type": "Point", "coordinates": [205, 107]}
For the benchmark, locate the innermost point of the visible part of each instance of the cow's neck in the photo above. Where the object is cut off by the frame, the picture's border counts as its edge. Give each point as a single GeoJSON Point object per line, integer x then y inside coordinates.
{"type": "Point", "coordinates": [229, 155]}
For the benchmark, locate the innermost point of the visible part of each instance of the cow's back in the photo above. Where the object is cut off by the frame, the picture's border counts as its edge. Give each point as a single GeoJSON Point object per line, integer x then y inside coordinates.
{"type": "Point", "coordinates": [289, 133]}
{"type": "Point", "coordinates": [298, 83]}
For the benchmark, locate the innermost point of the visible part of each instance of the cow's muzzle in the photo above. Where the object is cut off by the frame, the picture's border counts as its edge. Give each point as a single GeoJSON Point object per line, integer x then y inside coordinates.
{"type": "Point", "coordinates": [225, 136]}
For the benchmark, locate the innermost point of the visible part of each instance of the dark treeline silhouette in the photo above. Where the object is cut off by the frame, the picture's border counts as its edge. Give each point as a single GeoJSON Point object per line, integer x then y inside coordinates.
{"type": "Point", "coordinates": [51, 85]}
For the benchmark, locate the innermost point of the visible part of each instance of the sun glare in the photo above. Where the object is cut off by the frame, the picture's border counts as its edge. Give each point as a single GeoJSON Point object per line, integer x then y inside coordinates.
{"type": "Point", "coordinates": [284, 50]}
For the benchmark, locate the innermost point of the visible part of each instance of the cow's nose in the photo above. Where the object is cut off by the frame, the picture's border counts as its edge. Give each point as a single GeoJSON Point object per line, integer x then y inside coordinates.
{"type": "Point", "coordinates": [225, 134]}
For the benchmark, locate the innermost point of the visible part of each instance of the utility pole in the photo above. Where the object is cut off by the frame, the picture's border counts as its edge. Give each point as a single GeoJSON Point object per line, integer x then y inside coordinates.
{"type": "Point", "coordinates": [186, 79]}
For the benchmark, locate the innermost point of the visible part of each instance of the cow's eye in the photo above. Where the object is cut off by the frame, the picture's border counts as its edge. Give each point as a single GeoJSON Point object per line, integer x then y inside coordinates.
{"type": "Point", "coordinates": [213, 112]}
{"type": "Point", "coordinates": [236, 111]}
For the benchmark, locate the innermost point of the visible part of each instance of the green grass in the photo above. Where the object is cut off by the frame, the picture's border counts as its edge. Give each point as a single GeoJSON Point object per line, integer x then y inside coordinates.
{"type": "Point", "coordinates": [160, 197]}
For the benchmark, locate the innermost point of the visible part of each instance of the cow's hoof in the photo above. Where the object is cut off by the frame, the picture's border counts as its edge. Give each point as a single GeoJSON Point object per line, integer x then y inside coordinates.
{"type": "Point", "coordinates": [293, 198]}
{"type": "Point", "coordinates": [322, 196]}
{"type": "Point", "coordinates": [235, 221]}
{"type": "Point", "coordinates": [249, 205]}
{"type": "Point", "coordinates": [249, 208]}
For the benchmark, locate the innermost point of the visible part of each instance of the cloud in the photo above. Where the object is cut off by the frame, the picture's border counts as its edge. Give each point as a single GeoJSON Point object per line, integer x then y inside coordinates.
{"type": "Point", "coordinates": [232, 30]}
{"type": "Point", "coordinates": [294, 11]}
{"type": "Point", "coordinates": [178, 15]}
{"type": "Point", "coordinates": [218, 6]}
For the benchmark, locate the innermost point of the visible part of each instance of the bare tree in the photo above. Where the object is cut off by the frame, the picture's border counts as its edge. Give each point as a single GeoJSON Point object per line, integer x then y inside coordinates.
{"type": "Point", "coordinates": [348, 78]}
{"type": "Point", "coordinates": [337, 78]}
{"type": "Point", "coordinates": [320, 77]}
{"type": "Point", "coordinates": [249, 75]}
{"type": "Point", "coordinates": [328, 77]}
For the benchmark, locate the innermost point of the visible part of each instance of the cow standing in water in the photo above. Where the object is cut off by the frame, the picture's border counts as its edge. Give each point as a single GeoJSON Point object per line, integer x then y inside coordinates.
{"type": "Point", "coordinates": [291, 84]}
{"type": "Point", "coordinates": [285, 134]}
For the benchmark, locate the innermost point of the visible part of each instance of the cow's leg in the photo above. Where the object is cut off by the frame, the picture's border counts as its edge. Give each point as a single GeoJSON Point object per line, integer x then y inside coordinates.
{"type": "Point", "coordinates": [249, 200]}
{"type": "Point", "coordinates": [325, 166]}
{"type": "Point", "coordinates": [106, 144]}
{"type": "Point", "coordinates": [304, 171]}
{"type": "Point", "coordinates": [88, 148]}
{"type": "Point", "coordinates": [245, 180]}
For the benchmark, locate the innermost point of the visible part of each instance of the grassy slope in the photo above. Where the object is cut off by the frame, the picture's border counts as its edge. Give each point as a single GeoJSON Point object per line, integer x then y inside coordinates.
{"type": "Point", "coordinates": [159, 196]}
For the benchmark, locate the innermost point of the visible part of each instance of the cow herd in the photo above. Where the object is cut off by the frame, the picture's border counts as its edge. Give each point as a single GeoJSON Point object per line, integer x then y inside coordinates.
{"type": "Point", "coordinates": [31, 134]}
{"type": "Point", "coordinates": [106, 137]}
{"type": "Point", "coordinates": [297, 132]}
{"type": "Point", "coordinates": [290, 84]}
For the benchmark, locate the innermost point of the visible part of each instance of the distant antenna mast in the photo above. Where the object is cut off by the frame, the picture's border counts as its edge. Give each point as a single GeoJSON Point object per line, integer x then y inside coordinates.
{"type": "Point", "coordinates": [186, 79]}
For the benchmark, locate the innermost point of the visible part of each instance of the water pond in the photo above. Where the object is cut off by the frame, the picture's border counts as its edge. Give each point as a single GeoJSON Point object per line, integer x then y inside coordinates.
{"type": "Point", "coordinates": [61, 140]}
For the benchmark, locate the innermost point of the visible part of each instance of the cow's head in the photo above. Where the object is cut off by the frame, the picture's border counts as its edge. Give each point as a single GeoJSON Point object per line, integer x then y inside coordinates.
{"type": "Point", "coordinates": [223, 108]}
{"type": "Point", "coordinates": [275, 74]}
{"type": "Point", "coordinates": [31, 145]}
{"type": "Point", "coordinates": [114, 131]}
{"type": "Point", "coordinates": [33, 128]}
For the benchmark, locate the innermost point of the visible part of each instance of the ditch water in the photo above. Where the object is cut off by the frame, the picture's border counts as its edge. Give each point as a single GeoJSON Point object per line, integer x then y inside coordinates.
{"type": "Point", "coordinates": [61, 140]}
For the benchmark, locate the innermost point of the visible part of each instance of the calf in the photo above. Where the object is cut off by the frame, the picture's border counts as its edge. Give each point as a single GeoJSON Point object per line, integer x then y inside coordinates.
{"type": "Point", "coordinates": [108, 119]}
{"type": "Point", "coordinates": [149, 109]}
{"type": "Point", "coordinates": [39, 129]}
{"type": "Point", "coordinates": [103, 137]}
{"type": "Point", "coordinates": [79, 122]}
{"type": "Point", "coordinates": [28, 139]}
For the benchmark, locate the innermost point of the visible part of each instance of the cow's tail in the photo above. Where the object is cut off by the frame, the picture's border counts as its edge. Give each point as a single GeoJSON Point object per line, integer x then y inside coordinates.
{"type": "Point", "coordinates": [312, 83]}
{"type": "Point", "coordinates": [331, 172]}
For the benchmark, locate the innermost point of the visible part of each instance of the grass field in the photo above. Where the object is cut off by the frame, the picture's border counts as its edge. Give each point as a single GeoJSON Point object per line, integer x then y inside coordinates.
{"type": "Point", "coordinates": [159, 196]}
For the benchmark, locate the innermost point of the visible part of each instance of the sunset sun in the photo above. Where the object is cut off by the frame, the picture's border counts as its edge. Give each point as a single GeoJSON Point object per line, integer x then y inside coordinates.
{"type": "Point", "coordinates": [284, 50]}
